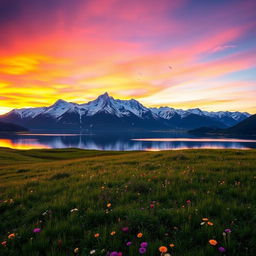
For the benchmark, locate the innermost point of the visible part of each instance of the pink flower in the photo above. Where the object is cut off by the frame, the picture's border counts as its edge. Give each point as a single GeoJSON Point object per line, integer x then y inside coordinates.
{"type": "Point", "coordinates": [37, 230]}
{"type": "Point", "coordinates": [125, 229]}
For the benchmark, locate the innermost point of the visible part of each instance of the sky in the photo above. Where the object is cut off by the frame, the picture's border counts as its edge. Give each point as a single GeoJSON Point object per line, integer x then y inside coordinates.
{"type": "Point", "coordinates": [177, 53]}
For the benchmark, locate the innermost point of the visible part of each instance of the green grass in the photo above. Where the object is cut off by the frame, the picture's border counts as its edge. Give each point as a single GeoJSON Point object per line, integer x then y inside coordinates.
{"type": "Point", "coordinates": [39, 188]}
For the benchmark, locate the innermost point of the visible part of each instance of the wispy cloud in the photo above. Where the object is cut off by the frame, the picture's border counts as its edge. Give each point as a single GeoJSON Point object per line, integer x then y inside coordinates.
{"type": "Point", "coordinates": [222, 48]}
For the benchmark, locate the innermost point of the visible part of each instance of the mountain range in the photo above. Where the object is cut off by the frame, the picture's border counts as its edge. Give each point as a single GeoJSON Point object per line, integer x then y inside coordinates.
{"type": "Point", "coordinates": [107, 113]}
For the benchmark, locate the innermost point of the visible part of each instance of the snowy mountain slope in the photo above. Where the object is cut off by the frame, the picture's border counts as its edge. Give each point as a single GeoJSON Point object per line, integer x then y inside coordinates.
{"type": "Point", "coordinates": [126, 113]}
{"type": "Point", "coordinates": [228, 118]}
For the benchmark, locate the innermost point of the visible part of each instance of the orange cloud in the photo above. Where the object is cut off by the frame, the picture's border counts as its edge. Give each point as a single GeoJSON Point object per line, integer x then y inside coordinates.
{"type": "Point", "coordinates": [159, 52]}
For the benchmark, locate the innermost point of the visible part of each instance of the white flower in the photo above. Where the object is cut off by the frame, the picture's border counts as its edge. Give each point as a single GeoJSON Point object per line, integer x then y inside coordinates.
{"type": "Point", "coordinates": [92, 251]}
{"type": "Point", "coordinates": [74, 210]}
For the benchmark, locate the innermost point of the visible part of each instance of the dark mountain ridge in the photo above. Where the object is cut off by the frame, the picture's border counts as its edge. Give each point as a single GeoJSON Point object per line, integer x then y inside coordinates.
{"type": "Point", "coordinates": [107, 113]}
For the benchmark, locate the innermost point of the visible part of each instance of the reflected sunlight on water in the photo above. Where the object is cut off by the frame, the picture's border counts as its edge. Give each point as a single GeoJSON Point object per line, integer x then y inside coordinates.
{"type": "Point", "coordinates": [196, 139]}
{"type": "Point", "coordinates": [28, 144]}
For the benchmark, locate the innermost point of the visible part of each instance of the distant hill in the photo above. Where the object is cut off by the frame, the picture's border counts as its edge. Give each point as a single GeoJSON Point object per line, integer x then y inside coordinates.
{"type": "Point", "coordinates": [9, 127]}
{"type": "Point", "coordinates": [246, 127]}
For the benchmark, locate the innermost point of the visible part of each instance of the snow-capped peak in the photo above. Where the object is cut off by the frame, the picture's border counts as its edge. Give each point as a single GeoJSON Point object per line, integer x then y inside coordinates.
{"type": "Point", "coordinates": [121, 108]}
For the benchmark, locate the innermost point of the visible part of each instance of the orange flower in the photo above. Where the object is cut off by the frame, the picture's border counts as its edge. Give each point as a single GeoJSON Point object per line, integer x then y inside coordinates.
{"type": "Point", "coordinates": [113, 233]}
{"type": "Point", "coordinates": [205, 219]}
{"type": "Point", "coordinates": [109, 205]}
{"type": "Point", "coordinates": [163, 249]}
{"type": "Point", "coordinates": [171, 245]}
{"type": "Point", "coordinates": [139, 235]}
{"type": "Point", "coordinates": [212, 242]}
{"type": "Point", "coordinates": [97, 235]}
{"type": "Point", "coordinates": [210, 223]}
{"type": "Point", "coordinates": [11, 236]}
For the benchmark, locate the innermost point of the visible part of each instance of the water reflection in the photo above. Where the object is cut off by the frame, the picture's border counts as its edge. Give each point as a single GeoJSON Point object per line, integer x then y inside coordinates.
{"type": "Point", "coordinates": [126, 142]}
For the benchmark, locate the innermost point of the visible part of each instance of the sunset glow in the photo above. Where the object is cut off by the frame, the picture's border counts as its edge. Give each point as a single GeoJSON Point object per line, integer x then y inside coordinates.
{"type": "Point", "coordinates": [179, 53]}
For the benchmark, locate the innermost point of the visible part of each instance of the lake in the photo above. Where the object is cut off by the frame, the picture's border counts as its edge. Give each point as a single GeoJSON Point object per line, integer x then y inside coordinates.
{"type": "Point", "coordinates": [153, 141]}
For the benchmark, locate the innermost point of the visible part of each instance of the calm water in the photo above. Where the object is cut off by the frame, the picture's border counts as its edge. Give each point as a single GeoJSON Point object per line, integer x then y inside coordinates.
{"type": "Point", "coordinates": [127, 142]}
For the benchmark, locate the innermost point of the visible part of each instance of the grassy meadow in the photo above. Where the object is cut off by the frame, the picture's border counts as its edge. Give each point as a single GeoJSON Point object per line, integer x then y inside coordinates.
{"type": "Point", "coordinates": [79, 202]}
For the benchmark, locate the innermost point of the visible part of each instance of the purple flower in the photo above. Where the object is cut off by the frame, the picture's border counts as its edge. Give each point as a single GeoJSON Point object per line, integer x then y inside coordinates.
{"type": "Point", "coordinates": [144, 245]}
{"type": "Point", "coordinates": [221, 249]}
{"type": "Point", "coordinates": [125, 229]}
{"type": "Point", "coordinates": [37, 230]}
{"type": "Point", "coordinates": [227, 230]}
{"type": "Point", "coordinates": [142, 250]}
{"type": "Point", "coordinates": [129, 243]}
{"type": "Point", "coordinates": [114, 254]}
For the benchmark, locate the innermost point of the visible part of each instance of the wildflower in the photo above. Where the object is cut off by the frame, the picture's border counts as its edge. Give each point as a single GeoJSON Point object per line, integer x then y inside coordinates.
{"type": "Point", "coordinates": [144, 244]}
{"type": "Point", "coordinates": [125, 229]}
{"type": "Point", "coordinates": [142, 250]}
{"type": "Point", "coordinates": [92, 251]}
{"type": "Point", "coordinates": [74, 210]}
{"type": "Point", "coordinates": [212, 242]}
{"type": "Point", "coordinates": [209, 223]}
{"type": "Point", "coordinates": [140, 235]}
{"type": "Point", "coordinates": [119, 254]}
{"type": "Point", "coordinates": [163, 249]}
{"type": "Point", "coordinates": [37, 230]}
{"type": "Point", "coordinates": [221, 249]}
{"type": "Point", "coordinates": [129, 243]}
{"type": "Point", "coordinates": [188, 201]}
{"type": "Point", "coordinates": [76, 250]}
{"type": "Point", "coordinates": [227, 230]}
{"type": "Point", "coordinates": [167, 254]}
{"type": "Point", "coordinates": [11, 236]}
{"type": "Point", "coordinates": [172, 245]}
{"type": "Point", "coordinates": [4, 243]}
{"type": "Point", "coordinates": [113, 233]}
{"type": "Point", "coordinates": [152, 206]}
{"type": "Point", "coordinates": [96, 235]}
{"type": "Point", "coordinates": [205, 219]}
{"type": "Point", "coordinates": [109, 205]}
{"type": "Point", "coordinates": [114, 254]}
{"type": "Point", "coordinates": [202, 223]}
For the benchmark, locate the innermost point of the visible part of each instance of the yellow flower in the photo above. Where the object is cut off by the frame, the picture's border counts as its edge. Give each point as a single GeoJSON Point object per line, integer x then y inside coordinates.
{"type": "Point", "coordinates": [212, 242]}
{"type": "Point", "coordinates": [76, 250]}
{"type": "Point", "coordinates": [109, 205]}
{"type": "Point", "coordinates": [171, 245]}
{"type": "Point", "coordinates": [11, 236]}
{"type": "Point", "coordinates": [163, 249]}
{"type": "Point", "coordinates": [113, 233]}
{"type": "Point", "coordinates": [96, 235]}
{"type": "Point", "coordinates": [139, 235]}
